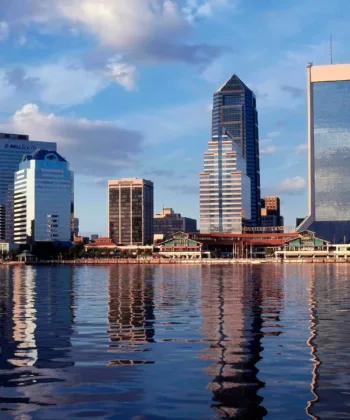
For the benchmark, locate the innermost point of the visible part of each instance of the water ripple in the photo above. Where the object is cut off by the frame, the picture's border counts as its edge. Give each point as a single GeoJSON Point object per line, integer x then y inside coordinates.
{"type": "Point", "coordinates": [175, 342]}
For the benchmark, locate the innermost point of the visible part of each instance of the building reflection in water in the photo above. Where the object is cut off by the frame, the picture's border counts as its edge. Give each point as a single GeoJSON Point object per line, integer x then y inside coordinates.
{"type": "Point", "coordinates": [130, 313]}
{"type": "Point", "coordinates": [24, 318]}
{"type": "Point", "coordinates": [36, 314]}
{"type": "Point", "coordinates": [329, 297]}
{"type": "Point", "coordinates": [233, 301]}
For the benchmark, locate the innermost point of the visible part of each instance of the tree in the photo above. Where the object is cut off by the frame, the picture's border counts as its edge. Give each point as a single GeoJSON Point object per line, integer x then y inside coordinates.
{"type": "Point", "coordinates": [216, 253]}
{"type": "Point", "coordinates": [148, 253]}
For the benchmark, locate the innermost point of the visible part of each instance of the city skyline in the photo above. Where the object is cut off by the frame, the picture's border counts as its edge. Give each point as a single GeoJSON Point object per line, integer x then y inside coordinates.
{"type": "Point", "coordinates": [66, 79]}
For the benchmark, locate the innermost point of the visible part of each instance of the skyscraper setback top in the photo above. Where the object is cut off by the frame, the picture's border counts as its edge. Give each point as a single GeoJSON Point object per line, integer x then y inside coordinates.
{"type": "Point", "coordinates": [234, 113]}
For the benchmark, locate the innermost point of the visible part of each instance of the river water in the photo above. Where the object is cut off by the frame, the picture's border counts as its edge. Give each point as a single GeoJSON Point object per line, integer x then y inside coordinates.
{"type": "Point", "coordinates": [148, 342]}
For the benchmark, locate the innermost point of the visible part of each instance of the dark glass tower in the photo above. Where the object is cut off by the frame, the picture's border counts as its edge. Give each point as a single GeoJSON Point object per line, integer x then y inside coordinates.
{"type": "Point", "coordinates": [234, 113]}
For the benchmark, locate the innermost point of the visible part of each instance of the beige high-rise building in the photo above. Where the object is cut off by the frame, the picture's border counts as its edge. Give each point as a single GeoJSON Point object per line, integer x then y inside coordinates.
{"type": "Point", "coordinates": [130, 211]}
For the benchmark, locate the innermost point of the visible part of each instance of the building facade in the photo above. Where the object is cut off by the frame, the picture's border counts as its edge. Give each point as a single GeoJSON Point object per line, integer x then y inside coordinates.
{"type": "Point", "coordinates": [167, 223]}
{"type": "Point", "coordinates": [2, 221]}
{"type": "Point", "coordinates": [329, 152]}
{"type": "Point", "coordinates": [76, 226]}
{"type": "Point", "coordinates": [271, 212]}
{"type": "Point", "coordinates": [224, 188]}
{"type": "Point", "coordinates": [235, 113]}
{"type": "Point", "coordinates": [43, 199]}
{"type": "Point", "coordinates": [130, 211]}
{"type": "Point", "coordinates": [12, 149]}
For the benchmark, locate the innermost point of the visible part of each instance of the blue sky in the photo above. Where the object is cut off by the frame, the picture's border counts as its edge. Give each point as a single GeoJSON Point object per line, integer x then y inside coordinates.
{"type": "Point", "coordinates": [125, 87]}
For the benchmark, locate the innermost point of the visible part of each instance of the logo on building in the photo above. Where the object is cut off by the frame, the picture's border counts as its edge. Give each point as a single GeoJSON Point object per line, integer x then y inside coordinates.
{"type": "Point", "coordinates": [19, 147]}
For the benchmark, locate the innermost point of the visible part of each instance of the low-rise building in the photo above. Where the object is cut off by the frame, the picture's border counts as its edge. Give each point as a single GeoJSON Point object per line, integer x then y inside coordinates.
{"type": "Point", "coordinates": [181, 246]}
{"type": "Point", "coordinates": [6, 247]}
{"type": "Point", "coordinates": [101, 244]}
{"type": "Point", "coordinates": [242, 246]}
{"type": "Point", "coordinates": [271, 212]}
{"type": "Point", "coordinates": [167, 223]}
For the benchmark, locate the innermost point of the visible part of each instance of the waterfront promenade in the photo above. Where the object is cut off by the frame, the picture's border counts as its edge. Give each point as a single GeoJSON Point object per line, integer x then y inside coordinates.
{"type": "Point", "coordinates": [179, 261]}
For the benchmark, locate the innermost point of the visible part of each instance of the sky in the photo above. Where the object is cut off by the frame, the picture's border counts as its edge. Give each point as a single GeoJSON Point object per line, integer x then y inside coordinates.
{"type": "Point", "coordinates": [125, 88]}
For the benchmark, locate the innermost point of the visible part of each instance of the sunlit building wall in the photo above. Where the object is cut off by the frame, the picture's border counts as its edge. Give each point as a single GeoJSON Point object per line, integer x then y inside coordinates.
{"type": "Point", "coordinates": [224, 188]}
{"type": "Point", "coordinates": [329, 152]}
{"type": "Point", "coordinates": [43, 199]}
{"type": "Point", "coordinates": [130, 211]}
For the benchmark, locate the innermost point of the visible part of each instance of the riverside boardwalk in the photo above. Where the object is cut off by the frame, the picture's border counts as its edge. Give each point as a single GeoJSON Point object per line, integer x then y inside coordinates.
{"type": "Point", "coordinates": [161, 261]}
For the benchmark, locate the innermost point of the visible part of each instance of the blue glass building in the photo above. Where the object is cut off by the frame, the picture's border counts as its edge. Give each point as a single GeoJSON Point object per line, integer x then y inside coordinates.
{"type": "Point", "coordinates": [12, 149]}
{"type": "Point", "coordinates": [235, 114]}
{"type": "Point", "coordinates": [329, 152]}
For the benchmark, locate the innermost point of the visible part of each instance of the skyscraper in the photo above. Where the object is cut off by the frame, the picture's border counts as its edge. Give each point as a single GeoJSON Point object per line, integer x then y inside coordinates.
{"type": "Point", "coordinates": [12, 149]}
{"type": "Point", "coordinates": [43, 198]}
{"type": "Point", "coordinates": [130, 211]}
{"type": "Point", "coordinates": [329, 152]}
{"type": "Point", "coordinates": [224, 188]}
{"type": "Point", "coordinates": [235, 113]}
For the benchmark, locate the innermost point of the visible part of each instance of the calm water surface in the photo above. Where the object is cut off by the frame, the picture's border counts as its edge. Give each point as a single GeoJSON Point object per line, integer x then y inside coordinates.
{"type": "Point", "coordinates": [169, 342]}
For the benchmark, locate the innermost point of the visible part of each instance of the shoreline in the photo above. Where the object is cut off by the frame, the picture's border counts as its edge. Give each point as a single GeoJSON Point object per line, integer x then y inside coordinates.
{"type": "Point", "coordinates": [205, 261]}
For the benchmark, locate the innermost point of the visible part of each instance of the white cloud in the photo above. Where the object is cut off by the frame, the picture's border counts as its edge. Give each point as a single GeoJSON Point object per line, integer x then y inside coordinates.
{"type": "Point", "coordinates": [269, 150]}
{"type": "Point", "coordinates": [301, 148]}
{"type": "Point", "coordinates": [144, 30]}
{"type": "Point", "coordinates": [4, 31]}
{"type": "Point", "coordinates": [273, 134]}
{"type": "Point", "coordinates": [269, 137]}
{"type": "Point", "coordinates": [22, 40]}
{"type": "Point", "coordinates": [95, 148]}
{"type": "Point", "coordinates": [124, 74]}
{"type": "Point", "coordinates": [66, 83]}
{"type": "Point", "coordinates": [291, 186]}
{"type": "Point", "coordinates": [206, 8]}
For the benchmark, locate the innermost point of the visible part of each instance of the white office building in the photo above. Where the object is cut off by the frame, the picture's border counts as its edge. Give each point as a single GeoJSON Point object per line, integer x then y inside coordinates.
{"type": "Point", "coordinates": [225, 199]}
{"type": "Point", "coordinates": [12, 149]}
{"type": "Point", "coordinates": [43, 198]}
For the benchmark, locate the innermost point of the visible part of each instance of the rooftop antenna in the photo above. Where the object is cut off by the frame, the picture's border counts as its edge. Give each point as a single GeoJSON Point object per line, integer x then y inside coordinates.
{"type": "Point", "coordinates": [331, 48]}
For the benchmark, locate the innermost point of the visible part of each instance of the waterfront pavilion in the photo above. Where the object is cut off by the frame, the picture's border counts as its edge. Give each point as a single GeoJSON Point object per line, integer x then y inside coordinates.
{"type": "Point", "coordinates": [180, 246]}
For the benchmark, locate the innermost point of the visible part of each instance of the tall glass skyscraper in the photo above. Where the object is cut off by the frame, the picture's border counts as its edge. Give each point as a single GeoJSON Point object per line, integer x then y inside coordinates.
{"type": "Point", "coordinates": [235, 113]}
{"type": "Point", "coordinates": [329, 152]}
{"type": "Point", "coordinates": [12, 149]}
